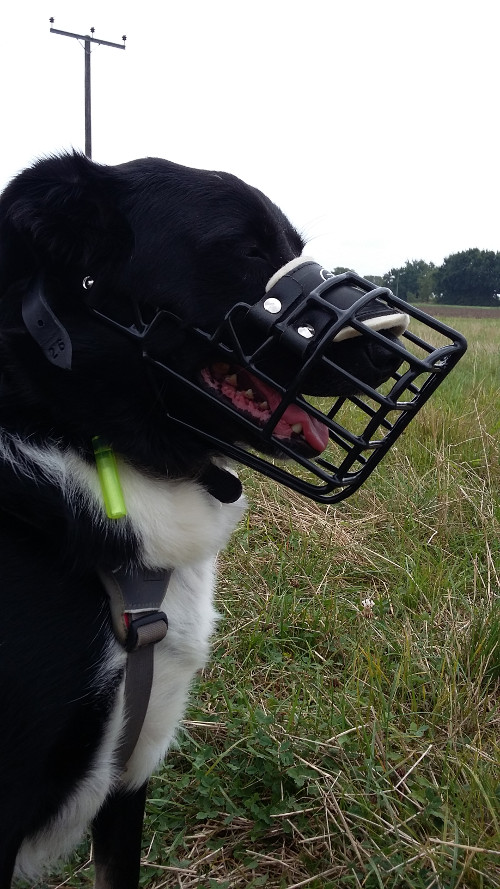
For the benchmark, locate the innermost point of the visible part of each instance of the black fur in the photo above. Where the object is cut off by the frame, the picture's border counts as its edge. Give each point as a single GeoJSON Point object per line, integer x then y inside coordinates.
{"type": "Point", "coordinates": [170, 237]}
{"type": "Point", "coordinates": [191, 242]}
{"type": "Point", "coordinates": [150, 230]}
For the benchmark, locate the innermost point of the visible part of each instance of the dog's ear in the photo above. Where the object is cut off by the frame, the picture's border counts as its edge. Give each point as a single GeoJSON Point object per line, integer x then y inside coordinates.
{"type": "Point", "coordinates": [62, 212]}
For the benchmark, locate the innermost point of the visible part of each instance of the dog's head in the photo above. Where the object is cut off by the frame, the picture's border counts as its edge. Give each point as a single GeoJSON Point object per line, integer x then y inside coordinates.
{"type": "Point", "coordinates": [168, 310]}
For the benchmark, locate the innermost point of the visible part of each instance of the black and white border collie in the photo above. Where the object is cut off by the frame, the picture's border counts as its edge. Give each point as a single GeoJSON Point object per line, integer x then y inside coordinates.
{"type": "Point", "coordinates": [163, 236]}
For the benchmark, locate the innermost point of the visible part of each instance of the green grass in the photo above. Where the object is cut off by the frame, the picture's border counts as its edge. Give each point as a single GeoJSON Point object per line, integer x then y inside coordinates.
{"type": "Point", "coordinates": [340, 742]}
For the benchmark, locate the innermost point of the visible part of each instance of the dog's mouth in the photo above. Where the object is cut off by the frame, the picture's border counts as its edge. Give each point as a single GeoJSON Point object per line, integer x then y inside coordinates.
{"type": "Point", "coordinates": [254, 399]}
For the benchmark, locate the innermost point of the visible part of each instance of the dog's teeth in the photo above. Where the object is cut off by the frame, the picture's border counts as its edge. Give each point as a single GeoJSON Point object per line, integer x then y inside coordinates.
{"type": "Point", "coordinates": [297, 428]}
{"type": "Point", "coordinates": [264, 405]}
{"type": "Point", "coordinates": [249, 394]}
{"type": "Point", "coordinates": [232, 379]}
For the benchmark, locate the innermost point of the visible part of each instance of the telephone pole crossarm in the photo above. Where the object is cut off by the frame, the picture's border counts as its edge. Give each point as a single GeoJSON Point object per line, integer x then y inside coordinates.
{"type": "Point", "coordinates": [87, 37]}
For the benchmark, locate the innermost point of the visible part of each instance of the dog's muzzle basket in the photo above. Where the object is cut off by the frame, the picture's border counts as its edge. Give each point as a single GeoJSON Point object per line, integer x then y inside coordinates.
{"type": "Point", "coordinates": [297, 319]}
{"type": "Point", "coordinates": [293, 335]}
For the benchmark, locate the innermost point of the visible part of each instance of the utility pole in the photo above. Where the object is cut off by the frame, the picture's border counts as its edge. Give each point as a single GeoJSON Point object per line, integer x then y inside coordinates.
{"type": "Point", "coordinates": [87, 40]}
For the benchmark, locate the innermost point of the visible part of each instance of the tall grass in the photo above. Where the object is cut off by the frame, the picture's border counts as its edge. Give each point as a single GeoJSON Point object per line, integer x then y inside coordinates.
{"type": "Point", "coordinates": [346, 733]}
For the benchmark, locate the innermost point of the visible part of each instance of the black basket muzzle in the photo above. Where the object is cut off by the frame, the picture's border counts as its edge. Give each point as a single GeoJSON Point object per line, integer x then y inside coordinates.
{"type": "Point", "coordinates": [314, 332]}
{"type": "Point", "coordinates": [317, 379]}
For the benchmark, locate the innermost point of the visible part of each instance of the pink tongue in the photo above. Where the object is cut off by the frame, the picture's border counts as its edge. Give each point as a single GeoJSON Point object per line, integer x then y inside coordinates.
{"type": "Point", "coordinates": [314, 432]}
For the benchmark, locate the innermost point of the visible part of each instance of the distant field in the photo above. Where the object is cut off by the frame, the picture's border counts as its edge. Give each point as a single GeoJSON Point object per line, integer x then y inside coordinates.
{"type": "Point", "coordinates": [440, 311]}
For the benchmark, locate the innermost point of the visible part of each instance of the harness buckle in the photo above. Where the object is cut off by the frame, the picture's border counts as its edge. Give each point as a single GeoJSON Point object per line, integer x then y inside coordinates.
{"type": "Point", "coordinates": [147, 629]}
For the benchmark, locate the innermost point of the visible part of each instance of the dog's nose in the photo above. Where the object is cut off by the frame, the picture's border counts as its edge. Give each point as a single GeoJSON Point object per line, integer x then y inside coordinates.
{"type": "Point", "coordinates": [385, 361]}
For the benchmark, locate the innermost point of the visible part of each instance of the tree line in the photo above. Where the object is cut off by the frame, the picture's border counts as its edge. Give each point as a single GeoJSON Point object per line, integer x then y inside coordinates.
{"type": "Point", "coordinates": [471, 277]}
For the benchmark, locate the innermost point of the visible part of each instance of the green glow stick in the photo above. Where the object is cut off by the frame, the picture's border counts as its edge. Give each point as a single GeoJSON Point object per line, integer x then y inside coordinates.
{"type": "Point", "coordinates": [109, 479]}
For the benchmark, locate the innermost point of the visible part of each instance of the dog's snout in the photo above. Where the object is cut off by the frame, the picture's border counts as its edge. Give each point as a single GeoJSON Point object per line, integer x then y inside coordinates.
{"type": "Point", "coordinates": [382, 356]}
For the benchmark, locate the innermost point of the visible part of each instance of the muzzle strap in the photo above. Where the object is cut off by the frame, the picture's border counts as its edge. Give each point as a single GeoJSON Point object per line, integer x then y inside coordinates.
{"type": "Point", "coordinates": [45, 328]}
{"type": "Point", "coordinates": [323, 298]}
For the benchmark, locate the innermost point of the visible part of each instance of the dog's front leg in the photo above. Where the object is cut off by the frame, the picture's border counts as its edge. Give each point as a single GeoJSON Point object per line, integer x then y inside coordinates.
{"type": "Point", "coordinates": [9, 847]}
{"type": "Point", "coordinates": [116, 834]}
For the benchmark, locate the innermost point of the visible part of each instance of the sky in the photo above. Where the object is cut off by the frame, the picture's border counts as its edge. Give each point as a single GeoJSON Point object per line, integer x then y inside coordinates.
{"type": "Point", "coordinates": [373, 124]}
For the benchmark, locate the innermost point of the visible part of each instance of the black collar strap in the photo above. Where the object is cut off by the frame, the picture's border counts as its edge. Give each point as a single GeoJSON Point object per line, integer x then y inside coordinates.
{"type": "Point", "coordinates": [135, 599]}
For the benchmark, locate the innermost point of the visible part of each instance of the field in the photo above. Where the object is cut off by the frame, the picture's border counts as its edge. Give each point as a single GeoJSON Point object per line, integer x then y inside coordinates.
{"type": "Point", "coordinates": [346, 733]}
{"type": "Point", "coordinates": [450, 312]}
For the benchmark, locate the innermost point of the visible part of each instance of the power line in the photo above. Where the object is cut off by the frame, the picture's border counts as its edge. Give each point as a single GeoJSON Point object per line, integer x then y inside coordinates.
{"type": "Point", "coordinates": [87, 40]}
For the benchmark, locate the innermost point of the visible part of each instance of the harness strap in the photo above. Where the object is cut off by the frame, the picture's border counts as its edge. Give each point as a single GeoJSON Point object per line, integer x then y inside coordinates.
{"type": "Point", "coordinates": [135, 598]}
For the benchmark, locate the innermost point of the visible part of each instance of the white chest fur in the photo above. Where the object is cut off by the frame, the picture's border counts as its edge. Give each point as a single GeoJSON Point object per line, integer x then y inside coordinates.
{"type": "Point", "coordinates": [178, 525]}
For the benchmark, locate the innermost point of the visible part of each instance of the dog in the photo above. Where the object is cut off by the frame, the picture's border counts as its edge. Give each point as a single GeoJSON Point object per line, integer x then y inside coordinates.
{"type": "Point", "coordinates": [91, 257]}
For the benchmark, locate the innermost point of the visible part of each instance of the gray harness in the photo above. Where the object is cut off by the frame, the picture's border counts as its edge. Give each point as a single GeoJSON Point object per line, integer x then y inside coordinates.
{"type": "Point", "coordinates": [135, 599]}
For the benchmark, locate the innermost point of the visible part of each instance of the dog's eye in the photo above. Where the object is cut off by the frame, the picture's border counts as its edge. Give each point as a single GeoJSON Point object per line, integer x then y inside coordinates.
{"type": "Point", "coordinates": [255, 252]}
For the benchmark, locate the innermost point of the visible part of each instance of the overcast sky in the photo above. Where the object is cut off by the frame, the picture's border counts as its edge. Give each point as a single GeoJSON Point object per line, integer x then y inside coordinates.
{"type": "Point", "coordinates": [374, 124]}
